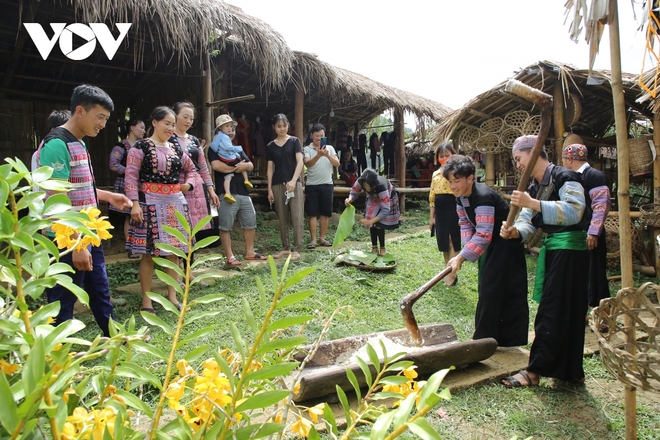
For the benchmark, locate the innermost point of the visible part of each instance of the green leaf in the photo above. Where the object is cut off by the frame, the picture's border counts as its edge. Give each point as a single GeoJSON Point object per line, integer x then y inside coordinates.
{"type": "Point", "coordinates": [206, 276]}
{"type": "Point", "coordinates": [201, 244]}
{"type": "Point", "coordinates": [313, 434]}
{"type": "Point", "coordinates": [164, 302]}
{"type": "Point", "coordinates": [192, 317]}
{"type": "Point", "coordinates": [58, 268]}
{"type": "Point", "coordinates": [169, 280]}
{"type": "Point", "coordinates": [366, 371]}
{"type": "Point", "coordinates": [129, 369]}
{"type": "Point", "coordinates": [23, 240]}
{"type": "Point", "coordinates": [432, 385]}
{"type": "Point", "coordinates": [394, 380]}
{"type": "Point", "coordinates": [55, 185]}
{"type": "Point", "coordinates": [345, 226]}
{"type": "Point", "coordinates": [262, 400]}
{"type": "Point", "coordinates": [387, 395]}
{"type": "Point", "coordinates": [289, 322]}
{"type": "Point", "coordinates": [176, 233]}
{"type": "Point", "coordinates": [373, 357]}
{"type": "Point", "coordinates": [155, 320]}
{"type": "Point", "coordinates": [183, 221]}
{"type": "Point", "coordinates": [423, 429]}
{"type": "Point", "coordinates": [264, 430]}
{"type": "Point", "coordinates": [344, 403]}
{"type": "Point", "coordinates": [28, 200]}
{"type": "Point", "coordinates": [295, 297]}
{"type": "Point", "coordinates": [402, 413]}
{"type": "Point", "coordinates": [4, 193]}
{"type": "Point", "coordinates": [136, 403]}
{"type": "Point", "coordinates": [35, 287]}
{"type": "Point", "coordinates": [171, 249]}
{"type": "Point", "coordinates": [202, 332]}
{"type": "Point", "coordinates": [278, 344]}
{"type": "Point", "coordinates": [329, 417]}
{"type": "Point", "coordinates": [271, 371]}
{"type": "Point", "coordinates": [356, 386]}
{"type": "Point", "coordinates": [40, 264]}
{"type": "Point", "coordinates": [238, 340]}
{"type": "Point", "coordinates": [144, 347]}
{"type": "Point", "coordinates": [169, 264]}
{"type": "Point", "coordinates": [249, 317]}
{"type": "Point", "coordinates": [297, 277]}
{"type": "Point", "coordinates": [198, 227]}
{"type": "Point", "coordinates": [33, 370]}
{"type": "Point", "coordinates": [382, 425]}
{"type": "Point", "coordinates": [195, 354]}
{"type": "Point", "coordinates": [8, 414]}
{"type": "Point", "coordinates": [66, 282]}
{"type": "Point", "coordinates": [207, 299]}
{"type": "Point", "coordinates": [41, 174]}
{"type": "Point", "coordinates": [49, 246]}
{"type": "Point", "coordinates": [365, 258]}
{"type": "Point", "coordinates": [399, 366]}
{"type": "Point", "coordinates": [201, 260]}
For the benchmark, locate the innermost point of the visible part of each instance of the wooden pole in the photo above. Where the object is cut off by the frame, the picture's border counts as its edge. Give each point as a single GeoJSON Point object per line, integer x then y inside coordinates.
{"type": "Point", "coordinates": [558, 119]}
{"type": "Point", "coordinates": [299, 113]}
{"type": "Point", "coordinates": [623, 192]}
{"type": "Point", "coordinates": [490, 169]}
{"type": "Point", "coordinates": [207, 111]}
{"type": "Point", "coordinates": [656, 187]}
{"type": "Point", "coordinates": [400, 156]}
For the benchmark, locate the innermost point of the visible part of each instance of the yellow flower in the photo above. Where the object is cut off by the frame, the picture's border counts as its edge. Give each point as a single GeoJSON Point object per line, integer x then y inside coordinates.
{"type": "Point", "coordinates": [277, 418]}
{"type": "Point", "coordinates": [8, 368]}
{"type": "Point", "coordinates": [296, 388]}
{"type": "Point", "coordinates": [301, 427]}
{"type": "Point", "coordinates": [410, 372]}
{"type": "Point", "coordinates": [184, 368]}
{"type": "Point", "coordinates": [175, 391]}
{"type": "Point", "coordinates": [67, 393]}
{"type": "Point", "coordinates": [119, 399]}
{"type": "Point", "coordinates": [69, 432]}
{"type": "Point", "coordinates": [78, 417]}
{"type": "Point", "coordinates": [316, 411]}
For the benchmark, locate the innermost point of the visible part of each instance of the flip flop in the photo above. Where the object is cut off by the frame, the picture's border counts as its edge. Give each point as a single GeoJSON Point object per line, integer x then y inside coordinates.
{"type": "Point", "coordinates": [256, 256]}
{"type": "Point", "coordinates": [325, 243]}
{"type": "Point", "coordinates": [311, 245]}
{"type": "Point", "coordinates": [233, 262]}
{"type": "Point", "coordinates": [515, 383]}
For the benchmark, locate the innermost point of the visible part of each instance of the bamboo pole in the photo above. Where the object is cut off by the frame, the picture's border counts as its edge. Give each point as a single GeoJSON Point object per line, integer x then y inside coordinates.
{"type": "Point", "coordinates": [490, 169]}
{"type": "Point", "coordinates": [656, 188]}
{"type": "Point", "coordinates": [400, 156]}
{"type": "Point", "coordinates": [623, 192]}
{"type": "Point", "coordinates": [299, 112]}
{"type": "Point", "coordinates": [230, 100]}
{"type": "Point", "coordinates": [207, 111]}
{"type": "Point", "coordinates": [558, 118]}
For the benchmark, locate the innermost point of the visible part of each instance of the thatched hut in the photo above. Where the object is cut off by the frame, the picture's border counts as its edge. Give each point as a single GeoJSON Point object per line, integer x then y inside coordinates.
{"type": "Point", "coordinates": [203, 51]}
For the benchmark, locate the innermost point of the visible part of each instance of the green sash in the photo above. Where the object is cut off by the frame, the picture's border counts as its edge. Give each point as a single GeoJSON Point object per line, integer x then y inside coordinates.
{"type": "Point", "coordinates": [569, 240]}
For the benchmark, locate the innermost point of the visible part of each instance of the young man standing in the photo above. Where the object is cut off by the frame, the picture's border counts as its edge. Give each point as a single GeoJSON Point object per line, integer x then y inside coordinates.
{"type": "Point", "coordinates": [319, 188]}
{"type": "Point", "coordinates": [64, 150]}
{"type": "Point", "coordinates": [502, 311]}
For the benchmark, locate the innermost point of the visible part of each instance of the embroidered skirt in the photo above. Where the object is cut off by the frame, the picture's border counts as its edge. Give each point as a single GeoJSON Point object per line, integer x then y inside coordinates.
{"type": "Point", "coordinates": [159, 205]}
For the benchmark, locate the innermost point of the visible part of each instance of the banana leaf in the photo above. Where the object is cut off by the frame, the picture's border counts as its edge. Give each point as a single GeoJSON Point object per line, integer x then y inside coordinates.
{"type": "Point", "coordinates": [345, 226]}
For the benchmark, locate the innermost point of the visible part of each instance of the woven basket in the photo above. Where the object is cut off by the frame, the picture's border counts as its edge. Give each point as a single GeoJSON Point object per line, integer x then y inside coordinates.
{"type": "Point", "coordinates": [613, 245]}
{"type": "Point", "coordinates": [516, 119]}
{"type": "Point", "coordinates": [650, 214]}
{"type": "Point", "coordinates": [468, 139]}
{"type": "Point", "coordinates": [508, 136]}
{"type": "Point", "coordinates": [635, 362]}
{"type": "Point", "coordinates": [488, 143]}
{"type": "Point", "coordinates": [532, 125]}
{"type": "Point", "coordinates": [492, 125]}
{"type": "Point", "coordinates": [640, 155]}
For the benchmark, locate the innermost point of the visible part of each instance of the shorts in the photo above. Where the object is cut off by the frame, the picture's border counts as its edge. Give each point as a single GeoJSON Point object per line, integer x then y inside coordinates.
{"type": "Point", "coordinates": [227, 212]}
{"type": "Point", "coordinates": [318, 200]}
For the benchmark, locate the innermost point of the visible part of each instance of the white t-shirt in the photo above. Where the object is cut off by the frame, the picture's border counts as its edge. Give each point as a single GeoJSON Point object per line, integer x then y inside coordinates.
{"type": "Point", "coordinates": [321, 172]}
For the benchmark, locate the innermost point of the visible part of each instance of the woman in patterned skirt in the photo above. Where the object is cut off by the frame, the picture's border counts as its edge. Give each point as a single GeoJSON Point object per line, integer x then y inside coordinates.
{"type": "Point", "coordinates": [153, 169]}
{"type": "Point", "coordinates": [134, 131]}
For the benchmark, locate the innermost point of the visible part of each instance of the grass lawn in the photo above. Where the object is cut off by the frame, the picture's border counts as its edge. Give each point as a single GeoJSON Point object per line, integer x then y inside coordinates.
{"type": "Point", "coordinates": [551, 411]}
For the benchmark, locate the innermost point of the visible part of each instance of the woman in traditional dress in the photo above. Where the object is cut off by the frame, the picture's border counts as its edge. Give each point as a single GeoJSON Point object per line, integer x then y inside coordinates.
{"type": "Point", "coordinates": [502, 310]}
{"type": "Point", "coordinates": [153, 169]}
{"type": "Point", "coordinates": [555, 202]}
{"type": "Point", "coordinates": [381, 209]}
{"type": "Point", "coordinates": [134, 131]}
{"type": "Point", "coordinates": [285, 163]}
{"type": "Point", "coordinates": [443, 220]}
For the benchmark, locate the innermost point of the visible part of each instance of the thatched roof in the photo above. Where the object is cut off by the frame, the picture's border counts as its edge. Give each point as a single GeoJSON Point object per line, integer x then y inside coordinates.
{"type": "Point", "coordinates": [593, 93]}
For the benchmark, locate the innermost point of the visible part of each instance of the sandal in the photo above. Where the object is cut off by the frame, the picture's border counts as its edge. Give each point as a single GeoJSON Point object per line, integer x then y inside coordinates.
{"type": "Point", "coordinates": [233, 262]}
{"type": "Point", "coordinates": [515, 383]}
{"type": "Point", "coordinates": [282, 254]}
{"type": "Point", "coordinates": [148, 310]}
{"type": "Point", "coordinates": [257, 256]}
{"type": "Point", "coordinates": [295, 256]}
{"type": "Point", "coordinates": [374, 249]}
{"type": "Point", "coordinates": [312, 245]}
{"type": "Point", "coordinates": [325, 243]}
{"type": "Point", "coordinates": [229, 198]}
{"type": "Point", "coordinates": [382, 252]}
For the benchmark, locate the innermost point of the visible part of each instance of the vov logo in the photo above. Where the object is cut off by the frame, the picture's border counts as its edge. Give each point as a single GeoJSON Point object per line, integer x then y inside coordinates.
{"type": "Point", "coordinates": [64, 33]}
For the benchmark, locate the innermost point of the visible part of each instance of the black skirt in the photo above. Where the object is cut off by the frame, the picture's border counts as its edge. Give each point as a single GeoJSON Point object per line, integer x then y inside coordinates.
{"type": "Point", "coordinates": [446, 222]}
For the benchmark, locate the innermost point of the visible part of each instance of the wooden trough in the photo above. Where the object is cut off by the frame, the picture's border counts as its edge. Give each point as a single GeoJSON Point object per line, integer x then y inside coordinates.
{"type": "Point", "coordinates": [441, 349]}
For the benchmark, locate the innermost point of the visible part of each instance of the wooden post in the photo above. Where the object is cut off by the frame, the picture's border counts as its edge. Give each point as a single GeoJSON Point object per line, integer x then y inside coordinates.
{"type": "Point", "coordinates": [623, 192]}
{"type": "Point", "coordinates": [558, 119]}
{"type": "Point", "coordinates": [207, 112]}
{"type": "Point", "coordinates": [329, 120]}
{"type": "Point", "coordinates": [400, 156]}
{"type": "Point", "coordinates": [656, 189]}
{"type": "Point", "coordinates": [299, 116]}
{"type": "Point", "coordinates": [490, 169]}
